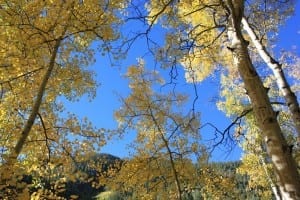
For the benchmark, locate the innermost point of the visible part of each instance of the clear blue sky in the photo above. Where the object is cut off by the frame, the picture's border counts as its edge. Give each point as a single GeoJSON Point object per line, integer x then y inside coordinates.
{"type": "Point", "coordinates": [100, 110]}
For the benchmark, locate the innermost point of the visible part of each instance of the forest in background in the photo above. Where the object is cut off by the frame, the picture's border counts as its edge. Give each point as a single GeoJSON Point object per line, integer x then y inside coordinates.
{"type": "Point", "coordinates": [48, 152]}
{"type": "Point", "coordinates": [217, 175]}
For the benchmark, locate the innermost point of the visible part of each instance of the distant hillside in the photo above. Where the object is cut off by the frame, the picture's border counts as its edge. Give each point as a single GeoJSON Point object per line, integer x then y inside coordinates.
{"type": "Point", "coordinates": [99, 164]}
{"type": "Point", "coordinates": [85, 190]}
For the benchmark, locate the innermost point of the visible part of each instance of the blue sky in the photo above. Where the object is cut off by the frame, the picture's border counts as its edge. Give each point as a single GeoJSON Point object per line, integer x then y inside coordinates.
{"type": "Point", "coordinates": [289, 34]}
{"type": "Point", "coordinates": [100, 110]}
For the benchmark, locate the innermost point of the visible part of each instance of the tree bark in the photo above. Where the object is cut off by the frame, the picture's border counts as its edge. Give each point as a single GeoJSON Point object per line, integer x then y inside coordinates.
{"type": "Point", "coordinates": [274, 187]}
{"type": "Point", "coordinates": [7, 168]}
{"type": "Point", "coordinates": [283, 85]}
{"type": "Point", "coordinates": [277, 148]}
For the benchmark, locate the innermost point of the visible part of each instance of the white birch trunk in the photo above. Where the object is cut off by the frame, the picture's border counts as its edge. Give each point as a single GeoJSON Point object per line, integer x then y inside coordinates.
{"type": "Point", "coordinates": [274, 187]}
{"type": "Point", "coordinates": [283, 85]}
{"type": "Point", "coordinates": [284, 165]}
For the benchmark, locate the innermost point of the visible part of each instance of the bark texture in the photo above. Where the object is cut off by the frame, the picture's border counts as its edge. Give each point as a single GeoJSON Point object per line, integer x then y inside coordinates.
{"type": "Point", "coordinates": [274, 187]}
{"type": "Point", "coordinates": [283, 85]}
{"type": "Point", "coordinates": [278, 150]}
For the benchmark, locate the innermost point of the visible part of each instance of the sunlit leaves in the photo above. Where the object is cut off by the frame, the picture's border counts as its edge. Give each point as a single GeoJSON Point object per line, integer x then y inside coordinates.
{"type": "Point", "coordinates": [260, 175]}
{"type": "Point", "coordinates": [216, 185]}
{"type": "Point", "coordinates": [144, 177]}
{"type": "Point", "coordinates": [30, 30]}
{"type": "Point", "coordinates": [167, 135]}
{"type": "Point", "coordinates": [205, 50]}
{"type": "Point", "coordinates": [196, 39]}
{"type": "Point", "coordinates": [151, 113]}
{"type": "Point", "coordinates": [166, 139]}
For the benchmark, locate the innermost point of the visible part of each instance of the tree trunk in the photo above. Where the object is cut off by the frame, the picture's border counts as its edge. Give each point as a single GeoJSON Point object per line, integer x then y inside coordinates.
{"type": "Point", "coordinates": [7, 168]}
{"type": "Point", "coordinates": [277, 148]}
{"type": "Point", "coordinates": [274, 187]}
{"type": "Point", "coordinates": [283, 85]}
{"type": "Point", "coordinates": [166, 143]}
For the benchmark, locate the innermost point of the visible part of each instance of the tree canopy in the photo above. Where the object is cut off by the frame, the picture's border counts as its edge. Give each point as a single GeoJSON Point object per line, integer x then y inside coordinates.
{"type": "Point", "coordinates": [47, 48]}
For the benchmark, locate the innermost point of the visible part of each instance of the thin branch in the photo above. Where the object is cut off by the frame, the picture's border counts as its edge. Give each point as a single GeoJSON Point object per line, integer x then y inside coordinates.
{"type": "Point", "coordinates": [46, 136]}
{"type": "Point", "coordinates": [226, 131]}
{"type": "Point", "coordinates": [22, 75]}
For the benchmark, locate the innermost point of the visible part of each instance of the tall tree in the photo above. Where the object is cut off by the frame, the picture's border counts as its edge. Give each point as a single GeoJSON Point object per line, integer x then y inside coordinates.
{"type": "Point", "coordinates": [255, 160]}
{"type": "Point", "coordinates": [271, 15]}
{"type": "Point", "coordinates": [46, 47]}
{"type": "Point", "coordinates": [165, 139]}
{"type": "Point", "coordinates": [282, 83]}
{"type": "Point", "coordinates": [277, 147]}
{"type": "Point", "coordinates": [225, 17]}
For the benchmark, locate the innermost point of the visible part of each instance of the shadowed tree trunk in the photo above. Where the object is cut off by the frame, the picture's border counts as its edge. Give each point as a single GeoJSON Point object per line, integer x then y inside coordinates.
{"type": "Point", "coordinates": [283, 85]}
{"type": "Point", "coordinates": [277, 147]}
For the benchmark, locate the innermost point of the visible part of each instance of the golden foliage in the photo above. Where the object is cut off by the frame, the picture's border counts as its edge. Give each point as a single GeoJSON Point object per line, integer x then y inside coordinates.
{"type": "Point", "coordinates": [164, 142]}
{"type": "Point", "coordinates": [29, 32]}
{"type": "Point", "coordinates": [197, 39]}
